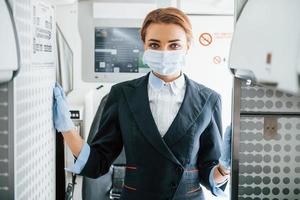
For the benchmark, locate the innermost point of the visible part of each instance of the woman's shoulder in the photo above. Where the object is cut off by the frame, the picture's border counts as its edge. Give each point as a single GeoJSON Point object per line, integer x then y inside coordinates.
{"type": "Point", "coordinates": [130, 83]}
{"type": "Point", "coordinates": [203, 90]}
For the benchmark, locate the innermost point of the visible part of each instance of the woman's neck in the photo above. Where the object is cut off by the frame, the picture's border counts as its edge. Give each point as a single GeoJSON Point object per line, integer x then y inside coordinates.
{"type": "Point", "coordinates": [168, 78]}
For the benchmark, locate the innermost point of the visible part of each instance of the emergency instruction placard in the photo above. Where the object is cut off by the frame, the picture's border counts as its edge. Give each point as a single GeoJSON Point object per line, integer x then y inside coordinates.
{"type": "Point", "coordinates": [43, 33]}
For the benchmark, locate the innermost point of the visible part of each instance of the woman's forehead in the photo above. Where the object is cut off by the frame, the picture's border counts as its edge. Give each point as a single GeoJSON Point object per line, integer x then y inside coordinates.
{"type": "Point", "coordinates": [165, 32]}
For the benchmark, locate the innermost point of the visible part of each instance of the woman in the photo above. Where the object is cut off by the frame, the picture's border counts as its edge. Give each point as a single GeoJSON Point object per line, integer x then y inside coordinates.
{"type": "Point", "coordinates": [169, 125]}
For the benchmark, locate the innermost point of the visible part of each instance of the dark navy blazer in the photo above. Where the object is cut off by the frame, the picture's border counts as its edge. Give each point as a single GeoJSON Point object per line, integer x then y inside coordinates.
{"type": "Point", "coordinates": [158, 168]}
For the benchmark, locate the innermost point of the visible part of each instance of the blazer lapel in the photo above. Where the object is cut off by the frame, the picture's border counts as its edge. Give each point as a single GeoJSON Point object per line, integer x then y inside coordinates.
{"type": "Point", "coordinates": [138, 101]}
{"type": "Point", "coordinates": [191, 108]}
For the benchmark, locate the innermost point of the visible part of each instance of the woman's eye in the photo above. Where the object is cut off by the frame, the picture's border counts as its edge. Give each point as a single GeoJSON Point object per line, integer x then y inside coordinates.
{"type": "Point", "coordinates": [175, 46]}
{"type": "Point", "coordinates": [153, 46]}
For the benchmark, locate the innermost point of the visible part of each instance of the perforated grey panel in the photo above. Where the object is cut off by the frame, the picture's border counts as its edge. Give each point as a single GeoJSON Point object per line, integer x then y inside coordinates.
{"type": "Point", "coordinates": [263, 99]}
{"type": "Point", "coordinates": [4, 142]}
{"type": "Point", "coordinates": [269, 168]}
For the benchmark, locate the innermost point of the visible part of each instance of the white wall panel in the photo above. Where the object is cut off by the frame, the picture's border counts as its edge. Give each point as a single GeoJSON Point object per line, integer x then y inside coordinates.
{"type": "Point", "coordinates": [208, 64]}
{"type": "Point", "coordinates": [31, 136]}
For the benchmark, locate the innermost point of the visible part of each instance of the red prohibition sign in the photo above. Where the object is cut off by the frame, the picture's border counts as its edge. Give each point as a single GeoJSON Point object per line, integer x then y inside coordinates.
{"type": "Point", "coordinates": [217, 60]}
{"type": "Point", "coordinates": [205, 39]}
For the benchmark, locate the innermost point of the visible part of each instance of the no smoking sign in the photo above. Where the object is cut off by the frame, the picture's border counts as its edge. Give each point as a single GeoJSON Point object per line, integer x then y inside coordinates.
{"type": "Point", "coordinates": [205, 39]}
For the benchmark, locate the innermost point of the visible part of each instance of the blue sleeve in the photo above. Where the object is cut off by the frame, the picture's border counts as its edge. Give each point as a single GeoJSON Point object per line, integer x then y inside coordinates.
{"type": "Point", "coordinates": [215, 187]}
{"type": "Point", "coordinates": [81, 160]}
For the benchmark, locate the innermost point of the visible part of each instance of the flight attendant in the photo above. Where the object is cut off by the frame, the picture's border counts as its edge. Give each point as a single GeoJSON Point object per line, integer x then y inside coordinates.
{"type": "Point", "coordinates": [169, 125]}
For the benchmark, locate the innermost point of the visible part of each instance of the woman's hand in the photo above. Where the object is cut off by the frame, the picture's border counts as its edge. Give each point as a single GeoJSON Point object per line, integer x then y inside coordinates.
{"type": "Point", "coordinates": [61, 113]}
{"type": "Point", "coordinates": [225, 159]}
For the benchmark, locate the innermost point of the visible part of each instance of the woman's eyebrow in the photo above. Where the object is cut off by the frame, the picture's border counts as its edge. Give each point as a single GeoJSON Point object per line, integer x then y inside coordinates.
{"type": "Point", "coordinates": [154, 40]}
{"type": "Point", "coordinates": [176, 40]}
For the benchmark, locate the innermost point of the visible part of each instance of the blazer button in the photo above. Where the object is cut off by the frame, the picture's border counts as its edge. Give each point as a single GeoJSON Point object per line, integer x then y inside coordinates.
{"type": "Point", "coordinates": [179, 169]}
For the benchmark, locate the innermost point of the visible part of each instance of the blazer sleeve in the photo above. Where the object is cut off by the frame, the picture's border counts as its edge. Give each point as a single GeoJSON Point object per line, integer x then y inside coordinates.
{"type": "Point", "coordinates": [107, 143]}
{"type": "Point", "coordinates": [210, 145]}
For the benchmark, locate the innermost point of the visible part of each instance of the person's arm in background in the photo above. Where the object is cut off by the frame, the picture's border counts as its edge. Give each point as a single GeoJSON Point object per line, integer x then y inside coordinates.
{"type": "Point", "coordinates": [210, 164]}
{"type": "Point", "coordinates": [223, 170]}
{"type": "Point", "coordinates": [63, 123]}
{"type": "Point", "coordinates": [220, 173]}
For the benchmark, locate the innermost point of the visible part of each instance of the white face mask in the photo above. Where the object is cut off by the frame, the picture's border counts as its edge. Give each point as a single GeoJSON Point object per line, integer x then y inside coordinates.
{"type": "Point", "coordinates": [165, 62]}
